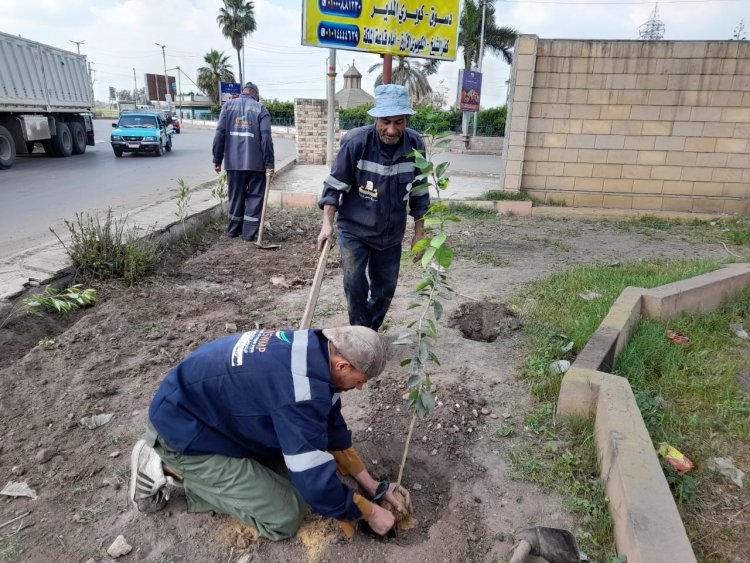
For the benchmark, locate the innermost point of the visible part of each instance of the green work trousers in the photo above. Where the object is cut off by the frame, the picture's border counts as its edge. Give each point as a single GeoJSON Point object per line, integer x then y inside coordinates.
{"type": "Point", "coordinates": [242, 487]}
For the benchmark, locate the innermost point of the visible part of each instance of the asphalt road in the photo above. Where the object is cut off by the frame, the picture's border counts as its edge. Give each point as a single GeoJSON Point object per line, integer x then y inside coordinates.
{"type": "Point", "coordinates": [40, 192]}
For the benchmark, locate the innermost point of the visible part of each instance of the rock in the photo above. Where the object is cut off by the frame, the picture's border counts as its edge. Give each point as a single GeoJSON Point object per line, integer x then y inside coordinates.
{"type": "Point", "coordinates": [434, 452]}
{"type": "Point", "coordinates": [244, 559]}
{"type": "Point", "coordinates": [472, 537]}
{"type": "Point", "coordinates": [493, 416]}
{"type": "Point", "coordinates": [119, 547]}
{"type": "Point", "coordinates": [506, 415]}
{"type": "Point", "coordinates": [477, 500]}
{"type": "Point", "coordinates": [230, 328]}
{"type": "Point", "coordinates": [114, 454]}
{"type": "Point", "coordinates": [485, 411]}
{"type": "Point", "coordinates": [416, 487]}
{"type": "Point", "coordinates": [95, 421]}
{"type": "Point", "coordinates": [44, 455]}
{"type": "Point", "coordinates": [17, 470]}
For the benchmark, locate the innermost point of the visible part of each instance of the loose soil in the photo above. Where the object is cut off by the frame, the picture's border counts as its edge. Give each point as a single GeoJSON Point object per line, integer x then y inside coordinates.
{"type": "Point", "coordinates": [110, 359]}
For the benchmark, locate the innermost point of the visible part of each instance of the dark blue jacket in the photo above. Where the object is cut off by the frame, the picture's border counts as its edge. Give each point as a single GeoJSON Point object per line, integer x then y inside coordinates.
{"type": "Point", "coordinates": [371, 188]}
{"type": "Point", "coordinates": [243, 136]}
{"type": "Point", "coordinates": [259, 394]}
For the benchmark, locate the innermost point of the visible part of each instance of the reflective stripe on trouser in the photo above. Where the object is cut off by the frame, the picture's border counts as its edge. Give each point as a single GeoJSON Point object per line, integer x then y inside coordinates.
{"type": "Point", "coordinates": [246, 189]}
{"type": "Point", "coordinates": [368, 296]}
{"type": "Point", "coordinates": [242, 487]}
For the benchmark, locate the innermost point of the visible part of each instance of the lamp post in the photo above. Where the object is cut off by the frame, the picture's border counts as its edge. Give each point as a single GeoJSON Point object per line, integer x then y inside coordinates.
{"type": "Point", "coordinates": [179, 88]}
{"type": "Point", "coordinates": [481, 55]}
{"type": "Point", "coordinates": [78, 44]}
{"type": "Point", "coordinates": [166, 80]}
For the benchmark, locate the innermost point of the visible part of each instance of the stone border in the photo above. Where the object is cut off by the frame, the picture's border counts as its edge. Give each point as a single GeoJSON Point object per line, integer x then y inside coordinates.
{"type": "Point", "coordinates": [647, 524]}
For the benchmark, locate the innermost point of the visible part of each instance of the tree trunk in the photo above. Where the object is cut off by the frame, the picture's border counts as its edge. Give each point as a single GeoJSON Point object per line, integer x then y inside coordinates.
{"type": "Point", "coordinates": [239, 65]}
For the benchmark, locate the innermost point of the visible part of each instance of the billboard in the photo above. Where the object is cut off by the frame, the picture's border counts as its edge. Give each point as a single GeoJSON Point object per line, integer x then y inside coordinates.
{"type": "Point", "coordinates": [228, 90]}
{"type": "Point", "coordinates": [156, 87]}
{"type": "Point", "coordinates": [410, 28]}
{"type": "Point", "coordinates": [469, 90]}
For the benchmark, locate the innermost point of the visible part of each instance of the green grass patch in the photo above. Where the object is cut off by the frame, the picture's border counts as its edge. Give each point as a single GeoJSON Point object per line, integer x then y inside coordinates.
{"type": "Point", "coordinates": [11, 547]}
{"type": "Point", "coordinates": [729, 230]}
{"type": "Point", "coordinates": [500, 195]}
{"type": "Point", "coordinates": [469, 211]}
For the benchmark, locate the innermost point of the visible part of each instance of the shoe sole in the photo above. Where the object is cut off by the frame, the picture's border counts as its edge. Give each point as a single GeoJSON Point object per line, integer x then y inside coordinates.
{"type": "Point", "coordinates": [137, 449]}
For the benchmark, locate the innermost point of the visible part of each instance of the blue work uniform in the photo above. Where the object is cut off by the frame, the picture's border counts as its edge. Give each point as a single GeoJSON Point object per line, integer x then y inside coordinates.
{"type": "Point", "coordinates": [261, 394]}
{"type": "Point", "coordinates": [243, 143]}
{"type": "Point", "coordinates": [371, 184]}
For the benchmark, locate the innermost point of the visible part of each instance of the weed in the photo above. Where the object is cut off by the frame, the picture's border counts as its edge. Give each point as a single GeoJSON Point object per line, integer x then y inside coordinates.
{"type": "Point", "coordinates": [220, 190]}
{"type": "Point", "coordinates": [472, 212]}
{"type": "Point", "coordinates": [11, 547]}
{"type": "Point", "coordinates": [89, 514]}
{"type": "Point", "coordinates": [329, 309]}
{"type": "Point", "coordinates": [106, 249]}
{"type": "Point", "coordinates": [83, 486]}
{"type": "Point", "coordinates": [61, 301]}
{"type": "Point", "coordinates": [183, 203]}
{"type": "Point", "coordinates": [503, 431]}
{"type": "Point", "coordinates": [116, 440]}
{"type": "Point", "coordinates": [500, 195]}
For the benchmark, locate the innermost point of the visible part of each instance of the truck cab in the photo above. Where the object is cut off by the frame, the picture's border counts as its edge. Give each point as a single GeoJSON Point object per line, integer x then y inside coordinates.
{"type": "Point", "coordinates": [141, 131]}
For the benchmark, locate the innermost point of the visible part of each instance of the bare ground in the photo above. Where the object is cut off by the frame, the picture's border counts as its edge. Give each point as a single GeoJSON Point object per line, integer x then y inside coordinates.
{"type": "Point", "coordinates": [111, 358]}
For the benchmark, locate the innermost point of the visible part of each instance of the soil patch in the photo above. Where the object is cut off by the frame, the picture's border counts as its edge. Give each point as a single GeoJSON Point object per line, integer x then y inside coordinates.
{"type": "Point", "coordinates": [109, 360]}
{"type": "Point", "coordinates": [484, 320]}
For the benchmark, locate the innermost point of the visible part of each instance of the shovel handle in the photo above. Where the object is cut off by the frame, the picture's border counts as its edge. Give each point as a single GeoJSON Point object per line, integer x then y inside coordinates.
{"type": "Point", "coordinates": [315, 290]}
{"type": "Point", "coordinates": [263, 209]}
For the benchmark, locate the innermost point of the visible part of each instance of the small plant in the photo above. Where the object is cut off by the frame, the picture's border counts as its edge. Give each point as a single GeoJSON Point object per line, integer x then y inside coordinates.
{"type": "Point", "coordinates": [183, 202]}
{"type": "Point", "coordinates": [83, 486]}
{"type": "Point", "coordinates": [89, 514]}
{"type": "Point", "coordinates": [106, 249]}
{"type": "Point", "coordinates": [219, 191]}
{"type": "Point", "coordinates": [116, 440]}
{"type": "Point", "coordinates": [61, 301]}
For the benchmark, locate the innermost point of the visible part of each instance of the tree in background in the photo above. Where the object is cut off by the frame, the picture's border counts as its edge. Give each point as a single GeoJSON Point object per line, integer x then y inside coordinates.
{"type": "Point", "coordinates": [411, 74]}
{"type": "Point", "coordinates": [237, 20]}
{"type": "Point", "coordinates": [497, 40]}
{"type": "Point", "coordinates": [217, 70]}
{"type": "Point", "coordinates": [739, 32]}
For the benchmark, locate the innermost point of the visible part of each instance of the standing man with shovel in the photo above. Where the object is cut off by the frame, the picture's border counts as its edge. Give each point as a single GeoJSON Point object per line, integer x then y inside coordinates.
{"type": "Point", "coordinates": [243, 143]}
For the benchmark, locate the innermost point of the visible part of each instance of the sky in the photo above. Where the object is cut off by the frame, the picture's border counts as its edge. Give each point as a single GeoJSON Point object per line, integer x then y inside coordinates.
{"type": "Point", "coordinates": [120, 35]}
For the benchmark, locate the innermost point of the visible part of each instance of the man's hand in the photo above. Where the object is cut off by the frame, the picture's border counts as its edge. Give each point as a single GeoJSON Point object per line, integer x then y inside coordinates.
{"type": "Point", "coordinates": [269, 174]}
{"type": "Point", "coordinates": [390, 497]}
{"type": "Point", "coordinates": [217, 168]}
{"type": "Point", "coordinates": [326, 234]}
{"type": "Point", "coordinates": [381, 520]}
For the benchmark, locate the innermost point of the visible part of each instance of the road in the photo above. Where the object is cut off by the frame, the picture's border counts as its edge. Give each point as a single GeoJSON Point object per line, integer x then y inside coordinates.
{"type": "Point", "coordinates": [41, 192]}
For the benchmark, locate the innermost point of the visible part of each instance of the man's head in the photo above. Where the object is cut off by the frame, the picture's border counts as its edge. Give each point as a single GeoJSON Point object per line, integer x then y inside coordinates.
{"type": "Point", "coordinates": [357, 355]}
{"type": "Point", "coordinates": [250, 88]}
{"type": "Point", "coordinates": [391, 112]}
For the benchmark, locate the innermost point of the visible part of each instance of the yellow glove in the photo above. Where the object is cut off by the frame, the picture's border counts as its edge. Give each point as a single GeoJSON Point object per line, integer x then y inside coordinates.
{"type": "Point", "coordinates": [348, 461]}
{"type": "Point", "coordinates": [365, 507]}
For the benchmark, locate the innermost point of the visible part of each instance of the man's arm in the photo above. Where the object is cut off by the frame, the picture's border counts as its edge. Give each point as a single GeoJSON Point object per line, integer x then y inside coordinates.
{"type": "Point", "coordinates": [219, 137]}
{"type": "Point", "coordinates": [266, 141]}
{"type": "Point", "coordinates": [337, 183]}
{"type": "Point", "coordinates": [326, 230]}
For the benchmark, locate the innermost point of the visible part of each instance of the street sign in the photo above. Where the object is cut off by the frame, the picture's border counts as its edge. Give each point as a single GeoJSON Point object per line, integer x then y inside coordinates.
{"type": "Point", "coordinates": [413, 28]}
{"type": "Point", "coordinates": [229, 90]}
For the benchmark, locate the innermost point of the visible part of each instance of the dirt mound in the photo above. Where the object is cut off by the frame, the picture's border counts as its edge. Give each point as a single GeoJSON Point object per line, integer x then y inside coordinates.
{"type": "Point", "coordinates": [484, 320]}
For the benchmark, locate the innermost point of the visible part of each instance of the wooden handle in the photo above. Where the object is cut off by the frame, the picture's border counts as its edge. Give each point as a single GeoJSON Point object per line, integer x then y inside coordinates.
{"type": "Point", "coordinates": [263, 209]}
{"type": "Point", "coordinates": [315, 290]}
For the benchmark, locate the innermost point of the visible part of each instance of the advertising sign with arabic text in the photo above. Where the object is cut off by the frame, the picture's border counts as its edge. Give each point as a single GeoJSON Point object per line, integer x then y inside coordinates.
{"type": "Point", "coordinates": [409, 28]}
{"type": "Point", "coordinates": [228, 91]}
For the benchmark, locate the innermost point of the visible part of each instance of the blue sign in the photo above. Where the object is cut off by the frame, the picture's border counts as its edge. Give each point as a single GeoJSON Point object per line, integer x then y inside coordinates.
{"type": "Point", "coordinates": [228, 91]}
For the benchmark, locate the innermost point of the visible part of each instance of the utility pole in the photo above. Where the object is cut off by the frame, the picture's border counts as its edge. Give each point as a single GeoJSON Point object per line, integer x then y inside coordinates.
{"type": "Point", "coordinates": [166, 80]}
{"type": "Point", "coordinates": [135, 86]}
{"type": "Point", "coordinates": [387, 68]}
{"type": "Point", "coordinates": [78, 44]}
{"type": "Point", "coordinates": [481, 55]}
{"type": "Point", "coordinates": [331, 104]}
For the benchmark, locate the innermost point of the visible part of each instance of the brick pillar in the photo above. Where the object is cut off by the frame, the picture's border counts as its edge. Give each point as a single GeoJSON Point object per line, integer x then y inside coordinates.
{"type": "Point", "coordinates": [311, 119]}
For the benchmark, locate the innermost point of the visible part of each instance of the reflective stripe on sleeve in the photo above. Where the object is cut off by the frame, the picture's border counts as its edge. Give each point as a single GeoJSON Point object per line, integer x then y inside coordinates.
{"type": "Point", "coordinates": [299, 367]}
{"type": "Point", "coordinates": [307, 460]}
{"type": "Point", "coordinates": [383, 170]}
{"type": "Point", "coordinates": [336, 397]}
{"type": "Point", "coordinates": [336, 184]}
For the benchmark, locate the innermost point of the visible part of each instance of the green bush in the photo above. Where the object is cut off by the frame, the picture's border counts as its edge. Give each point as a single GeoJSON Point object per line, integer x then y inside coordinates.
{"type": "Point", "coordinates": [280, 110]}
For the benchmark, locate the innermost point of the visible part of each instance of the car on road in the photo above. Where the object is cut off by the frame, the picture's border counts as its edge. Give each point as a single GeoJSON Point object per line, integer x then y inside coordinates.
{"type": "Point", "coordinates": [176, 124]}
{"type": "Point", "coordinates": [141, 131]}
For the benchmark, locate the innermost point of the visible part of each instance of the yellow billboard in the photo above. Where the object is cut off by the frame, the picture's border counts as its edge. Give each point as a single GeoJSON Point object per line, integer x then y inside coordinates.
{"type": "Point", "coordinates": [411, 28]}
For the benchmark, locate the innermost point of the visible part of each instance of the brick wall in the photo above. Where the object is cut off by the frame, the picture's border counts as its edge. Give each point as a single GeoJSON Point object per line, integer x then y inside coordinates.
{"type": "Point", "coordinates": [651, 125]}
{"type": "Point", "coordinates": [311, 119]}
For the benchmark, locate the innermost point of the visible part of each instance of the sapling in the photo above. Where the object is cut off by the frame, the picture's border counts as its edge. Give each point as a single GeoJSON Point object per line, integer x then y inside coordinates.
{"type": "Point", "coordinates": [219, 191]}
{"type": "Point", "coordinates": [435, 257]}
{"type": "Point", "coordinates": [183, 201]}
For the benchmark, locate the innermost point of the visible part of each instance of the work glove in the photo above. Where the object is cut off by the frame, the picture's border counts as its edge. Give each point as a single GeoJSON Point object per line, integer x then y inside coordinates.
{"type": "Point", "coordinates": [348, 461]}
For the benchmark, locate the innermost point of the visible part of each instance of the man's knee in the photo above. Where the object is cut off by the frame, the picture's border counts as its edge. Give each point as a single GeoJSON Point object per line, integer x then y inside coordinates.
{"type": "Point", "coordinates": [286, 525]}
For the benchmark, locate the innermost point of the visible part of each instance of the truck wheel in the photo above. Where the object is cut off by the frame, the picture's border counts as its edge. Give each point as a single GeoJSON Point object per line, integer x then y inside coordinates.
{"type": "Point", "coordinates": [62, 143]}
{"type": "Point", "coordinates": [118, 152]}
{"type": "Point", "coordinates": [168, 146]}
{"type": "Point", "coordinates": [78, 136]}
{"type": "Point", "coordinates": [159, 151]}
{"type": "Point", "coordinates": [7, 148]}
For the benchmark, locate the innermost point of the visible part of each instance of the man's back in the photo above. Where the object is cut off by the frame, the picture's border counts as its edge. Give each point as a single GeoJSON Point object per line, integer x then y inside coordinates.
{"type": "Point", "coordinates": [243, 135]}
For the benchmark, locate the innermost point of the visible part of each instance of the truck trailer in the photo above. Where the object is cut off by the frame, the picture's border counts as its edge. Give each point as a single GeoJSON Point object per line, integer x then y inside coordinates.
{"type": "Point", "coordinates": [45, 97]}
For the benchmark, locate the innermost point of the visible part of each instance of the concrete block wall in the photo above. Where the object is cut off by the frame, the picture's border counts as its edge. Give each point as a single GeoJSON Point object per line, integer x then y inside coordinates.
{"type": "Point", "coordinates": [311, 119]}
{"type": "Point", "coordinates": [648, 125]}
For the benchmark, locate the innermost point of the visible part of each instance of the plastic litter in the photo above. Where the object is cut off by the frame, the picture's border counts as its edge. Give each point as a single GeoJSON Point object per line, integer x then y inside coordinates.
{"type": "Point", "coordinates": [18, 489]}
{"type": "Point", "coordinates": [567, 347]}
{"type": "Point", "coordinates": [725, 466]}
{"type": "Point", "coordinates": [739, 330]}
{"type": "Point", "coordinates": [95, 421]}
{"type": "Point", "coordinates": [677, 337]}
{"type": "Point", "coordinates": [589, 295]}
{"type": "Point", "coordinates": [559, 366]}
{"type": "Point", "coordinates": [675, 457]}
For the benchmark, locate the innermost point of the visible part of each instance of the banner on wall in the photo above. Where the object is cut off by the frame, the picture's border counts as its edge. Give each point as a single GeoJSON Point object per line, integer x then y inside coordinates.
{"type": "Point", "coordinates": [409, 28]}
{"type": "Point", "coordinates": [469, 89]}
{"type": "Point", "coordinates": [229, 90]}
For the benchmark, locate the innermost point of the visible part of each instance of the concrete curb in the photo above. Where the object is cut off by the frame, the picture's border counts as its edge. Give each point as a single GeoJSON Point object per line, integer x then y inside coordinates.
{"type": "Point", "coordinates": [647, 524]}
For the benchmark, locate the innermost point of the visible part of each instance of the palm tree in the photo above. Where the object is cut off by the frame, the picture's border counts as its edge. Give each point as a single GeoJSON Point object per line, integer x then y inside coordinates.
{"type": "Point", "coordinates": [237, 20]}
{"type": "Point", "coordinates": [411, 74]}
{"type": "Point", "coordinates": [217, 70]}
{"type": "Point", "coordinates": [497, 40]}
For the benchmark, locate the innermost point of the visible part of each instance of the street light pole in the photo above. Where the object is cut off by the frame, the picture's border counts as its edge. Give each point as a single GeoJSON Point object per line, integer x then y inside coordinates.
{"type": "Point", "coordinates": [481, 56]}
{"type": "Point", "coordinates": [78, 44]}
{"type": "Point", "coordinates": [166, 80]}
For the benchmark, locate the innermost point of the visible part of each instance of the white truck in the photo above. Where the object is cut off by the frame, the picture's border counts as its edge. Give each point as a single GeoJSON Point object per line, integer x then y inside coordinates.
{"type": "Point", "coordinates": [46, 97]}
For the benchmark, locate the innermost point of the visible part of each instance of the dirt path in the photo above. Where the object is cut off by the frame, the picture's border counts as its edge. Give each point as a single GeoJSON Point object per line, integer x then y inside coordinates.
{"type": "Point", "coordinates": [111, 359]}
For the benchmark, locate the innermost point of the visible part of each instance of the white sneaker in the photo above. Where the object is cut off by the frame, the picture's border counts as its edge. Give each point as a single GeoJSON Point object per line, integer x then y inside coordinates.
{"type": "Point", "coordinates": [148, 488]}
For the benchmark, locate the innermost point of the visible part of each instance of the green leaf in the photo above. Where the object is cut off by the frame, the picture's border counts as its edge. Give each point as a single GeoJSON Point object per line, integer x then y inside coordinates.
{"type": "Point", "coordinates": [454, 218]}
{"type": "Point", "coordinates": [427, 256]}
{"type": "Point", "coordinates": [426, 401]}
{"type": "Point", "coordinates": [434, 358]}
{"type": "Point", "coordinates": [405, 362]}
{"type": "Point", "coordinates": [413, 306]}
{"type": "Point", "coordinates": [444, 256]}
{"type": "Point", "coordinates": [420, 245]}
{"type": "Point", "coordinates": [413, 381]}
{"type": "Point", "coordinates": [418, 178]}
{"type": "Point", "coordinates": [437, 307]}
{"type": "Point", "coordinates": [441, 168]}
{"type": "Point", "coordinates": [424, 352]}
{"type": "Point", "coordinates": [414, 395]}
{"type": "Point", "coordinates": [433, 330]}
{"type": "Point", "coordinates": [403, 341]}
{"type": "Point", "coordinates": [438, 240]}
{"type": "Point", "coordinates": [425, 282]}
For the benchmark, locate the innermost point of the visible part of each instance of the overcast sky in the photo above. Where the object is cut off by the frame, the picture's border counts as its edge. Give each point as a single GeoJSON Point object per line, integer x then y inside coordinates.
{"type": "Point", "coordinates": [119, 35]}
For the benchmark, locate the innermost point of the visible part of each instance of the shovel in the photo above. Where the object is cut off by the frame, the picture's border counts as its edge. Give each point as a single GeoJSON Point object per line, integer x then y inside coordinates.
{"type": "Point", "coordinates": [553, 544]}
{"type": "Point", "coordinates": [259, 241]}
{"type": "Point", "coordinates": [312, 300]}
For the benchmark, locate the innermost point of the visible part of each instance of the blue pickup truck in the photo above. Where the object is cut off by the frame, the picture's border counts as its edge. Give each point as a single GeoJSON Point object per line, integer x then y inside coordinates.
{"type": "Point", "coordinates": [141, 131]}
